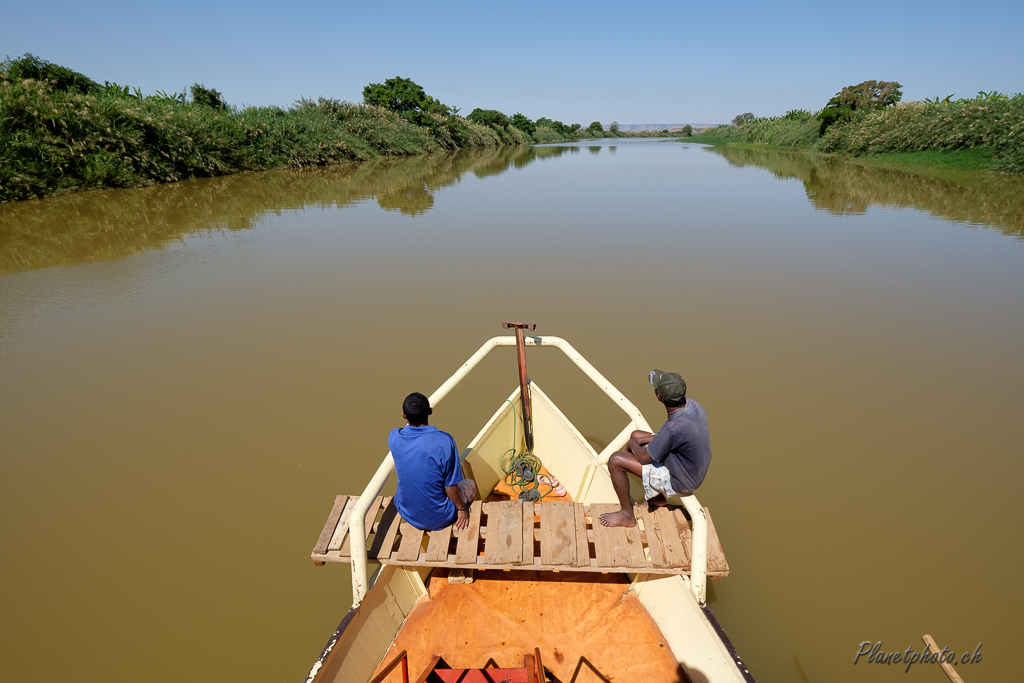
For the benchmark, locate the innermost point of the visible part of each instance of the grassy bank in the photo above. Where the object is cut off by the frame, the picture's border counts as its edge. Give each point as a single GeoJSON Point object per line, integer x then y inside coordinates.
{"type": "Point", "coordinates": [60, 132]}
{"type": "Point", "coordinates": [982, 133]}
{"type": "Point", "coordinates": [54, 141]}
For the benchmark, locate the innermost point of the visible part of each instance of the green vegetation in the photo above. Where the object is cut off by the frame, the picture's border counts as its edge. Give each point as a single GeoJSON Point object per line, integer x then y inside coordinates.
{"type": "Point", "coordinates": [866, 96]}
{"type": "Point", "coordinates": [61, 131]}
{"type": "Point", "coordinates": [869, 122]}
{"type": "Point", "coordinates": [408, 100]}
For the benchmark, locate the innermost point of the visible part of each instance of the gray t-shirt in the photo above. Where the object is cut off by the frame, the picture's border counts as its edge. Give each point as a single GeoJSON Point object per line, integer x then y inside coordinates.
{"type": "Point", "coordinates": [684, 446]}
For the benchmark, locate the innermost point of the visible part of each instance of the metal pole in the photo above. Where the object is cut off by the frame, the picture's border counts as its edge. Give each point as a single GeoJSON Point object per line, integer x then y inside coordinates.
{"type": "Point", "coordinates": [524, 388]}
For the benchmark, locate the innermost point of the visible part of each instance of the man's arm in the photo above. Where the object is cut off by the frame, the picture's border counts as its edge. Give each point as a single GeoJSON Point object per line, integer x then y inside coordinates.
{"type": "Point", "coordinates": [641, 437]}
{"type": "Point", "coordinates": [637, 445]}
{"type": "Point", "coordinates": [455, 495]}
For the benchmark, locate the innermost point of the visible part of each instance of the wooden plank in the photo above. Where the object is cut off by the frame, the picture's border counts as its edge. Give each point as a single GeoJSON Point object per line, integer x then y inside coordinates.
{"type": "Point", "coordinates": [371, 514]}
{"type": "Point", "coordinates": [558, 533]}
{"type": "Point", "coordinates": [503, 543]}
{"type": "Point", "coordinates": [609, 541]}
{"type": "Point", "coordinates": [330, 525]}
{"type": "Point", "coordinates": [933, 649]}
{"type": "Point", "coordinates": [384, 540]}
{"type": "Point", "coordinates": [528, 532]}
{"type": "Point", "coordinates": [675, 556]}
{"type": "Point", "coordinates": [716, 556]}
{"type": "Point", "coordinates": [342, 530]}
{"type": "Point", "coordinates": [412, 538]}
{"type": "Point", "coordinates": [437, 548]}
{"type": "Point", "coordinates": [654, 541]}
{"type": "Point", "coordinates": [482, 566]}
{"type": "Point", "coordinates": [685, 535]}
{"type": "Point", "coordinates": [634, 545]}
{"type": "Point", "coordinates": [469, 538]}
{"type": "Point", "coordinates": [582, 545]}
{"type": "Point", "coordinates": [371, 517]}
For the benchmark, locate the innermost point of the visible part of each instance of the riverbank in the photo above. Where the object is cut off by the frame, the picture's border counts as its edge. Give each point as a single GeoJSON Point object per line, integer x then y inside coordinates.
{"type": "Point", "coordinates": [62, 132]}
{"type": "Point", "coordinates": [979, 134]}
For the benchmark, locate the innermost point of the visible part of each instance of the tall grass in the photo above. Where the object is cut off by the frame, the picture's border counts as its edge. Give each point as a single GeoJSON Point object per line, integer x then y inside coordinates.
{"type": "Point", "coordinates": [992, 124]}
{"type": "Point", "coordinates": [992, 121]}
{"type": "Point", "coordinates": [54, 141]}
{"type": "Point", "coordinates": [798, 129]}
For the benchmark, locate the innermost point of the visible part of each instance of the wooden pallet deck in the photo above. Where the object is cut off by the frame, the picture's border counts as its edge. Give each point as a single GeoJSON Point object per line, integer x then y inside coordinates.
{"type": "Point", "coordinates": [548, 536]}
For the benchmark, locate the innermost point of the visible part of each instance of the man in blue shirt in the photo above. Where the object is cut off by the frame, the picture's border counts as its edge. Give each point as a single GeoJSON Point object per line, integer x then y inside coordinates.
{"type": "Point", "coordinates": [673, 461]}
{"type": "Point", "coordinates": [431, 491]}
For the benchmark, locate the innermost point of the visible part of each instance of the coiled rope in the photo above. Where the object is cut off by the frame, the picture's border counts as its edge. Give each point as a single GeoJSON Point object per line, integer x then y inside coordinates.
{"type": "Point", "coordinates": [522, 470]}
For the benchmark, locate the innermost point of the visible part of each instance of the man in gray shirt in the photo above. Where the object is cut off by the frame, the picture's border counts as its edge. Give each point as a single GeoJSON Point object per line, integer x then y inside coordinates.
{"type": "Point", "coordinates": [673, 461]}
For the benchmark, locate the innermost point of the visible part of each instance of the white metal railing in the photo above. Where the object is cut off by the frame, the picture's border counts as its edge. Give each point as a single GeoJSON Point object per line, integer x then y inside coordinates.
{"type": "Point", "coordinates": [699, 543]}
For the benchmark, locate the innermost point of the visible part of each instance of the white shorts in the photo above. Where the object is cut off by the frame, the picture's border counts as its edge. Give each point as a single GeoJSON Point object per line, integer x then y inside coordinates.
{"type": "Point", "coordinates": [657, 479]}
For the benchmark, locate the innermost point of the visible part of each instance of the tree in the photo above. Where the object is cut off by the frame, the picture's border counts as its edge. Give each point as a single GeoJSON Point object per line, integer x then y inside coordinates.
{"type": "Point", "coordinates": [207, 97]}
{"type": "Point", "coordinates": [743, 118]}
{"type": "Point", "coordinates": [488, 117]}
{"type": "Point", "coordinates": [866, 96]}
{"type": "Point", "coordinates": [687, 130]}
{"type": "Point", "coordinates": [596, 128]}
{"type": "Point", "coordinates": [407, 99]}
{"type": "Point", "coordinates": [614, 128]}
{"type": "Point", "coordinates": [557, 126]}
{"type": "Point", "coordinates": [524, 124]}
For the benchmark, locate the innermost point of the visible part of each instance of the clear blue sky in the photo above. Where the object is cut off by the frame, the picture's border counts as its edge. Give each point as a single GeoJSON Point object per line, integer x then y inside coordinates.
{"type": "Point", "coordinates": [655, 62]}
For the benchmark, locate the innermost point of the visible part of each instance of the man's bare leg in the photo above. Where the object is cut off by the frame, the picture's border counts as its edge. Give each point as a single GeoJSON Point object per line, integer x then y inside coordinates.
{"type": "Point", "coordinates": [638, 441]}
{"type": "Point", "coordinates": [619, 466]}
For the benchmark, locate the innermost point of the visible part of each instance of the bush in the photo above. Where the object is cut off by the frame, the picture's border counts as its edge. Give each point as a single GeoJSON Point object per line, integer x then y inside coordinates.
{"type": "Point", "coordinates": [407, 99]}
{"type": "Point", "coordinates": [863, 97]}
{"type": "Point", "coordinates": [990, 120]}
{"type": "Point", "coordinates": [207, 97]}
{"type": "Point", "coordinates": [524, 124]}
{"type": "Point", "coordinates": [57, 141]}
{"type": "Point", "coordinates": [60, 77]}
{"type": "Point", "coordinates": [779, 131]}
{"type": "Point", "coordinates": [488, 117]}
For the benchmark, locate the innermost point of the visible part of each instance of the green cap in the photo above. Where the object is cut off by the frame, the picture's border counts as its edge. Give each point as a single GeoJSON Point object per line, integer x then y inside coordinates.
{"type": "Point", "coordinates": [669, 385]}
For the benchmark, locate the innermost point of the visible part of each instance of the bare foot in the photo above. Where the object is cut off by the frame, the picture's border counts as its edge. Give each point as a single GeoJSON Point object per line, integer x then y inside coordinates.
{"type": "Point", "coordinates": [658, 501]}
{"type": "Point", "coordinates": [620, 518]}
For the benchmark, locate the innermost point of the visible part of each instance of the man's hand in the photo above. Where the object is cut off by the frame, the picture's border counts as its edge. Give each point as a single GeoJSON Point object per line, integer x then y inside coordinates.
{"type": "Point", "coordinates": [462, 521]}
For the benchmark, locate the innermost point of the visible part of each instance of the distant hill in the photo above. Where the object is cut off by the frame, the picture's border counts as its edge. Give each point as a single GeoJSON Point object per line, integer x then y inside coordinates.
{"type": "Point", "coordinates": [662, 126]}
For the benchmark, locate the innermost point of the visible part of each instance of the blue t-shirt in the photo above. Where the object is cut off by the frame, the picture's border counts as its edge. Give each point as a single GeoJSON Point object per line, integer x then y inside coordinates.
{"type": "Point", "coordinates": [684, 446]}
{"type": "Point", "coordinates": [425, 461]}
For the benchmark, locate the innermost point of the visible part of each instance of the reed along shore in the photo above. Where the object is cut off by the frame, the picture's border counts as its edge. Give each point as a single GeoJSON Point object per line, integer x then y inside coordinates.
{"type": "Point", "coordinates": [61, 131]}
{"type": "Point", "coordinates": [980, 133]}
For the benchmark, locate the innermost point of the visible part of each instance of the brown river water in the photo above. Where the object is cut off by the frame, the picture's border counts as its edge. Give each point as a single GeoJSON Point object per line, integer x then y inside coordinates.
{"type": "Point", "coordinates": [189, 373]}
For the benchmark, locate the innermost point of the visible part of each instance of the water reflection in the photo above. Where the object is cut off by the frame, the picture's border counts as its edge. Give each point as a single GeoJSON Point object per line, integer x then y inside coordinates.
{"type": "Point", "coordinates": [844, 188]}
{"type": "Point", "coordinates": [113, 224]}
